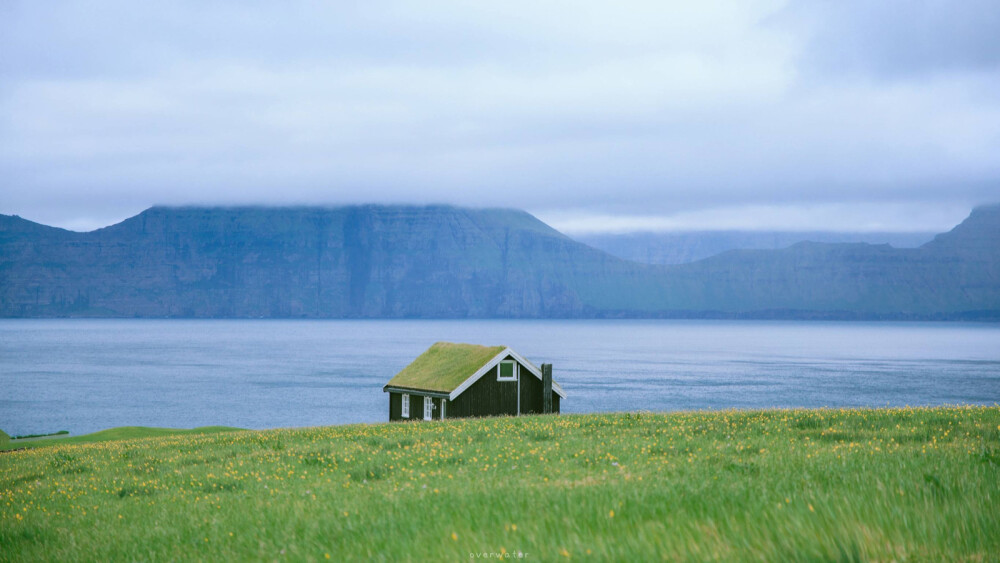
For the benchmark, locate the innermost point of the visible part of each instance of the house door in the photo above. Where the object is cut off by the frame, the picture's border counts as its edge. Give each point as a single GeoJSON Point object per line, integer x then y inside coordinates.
{"type": "Point", "coordinates": [428, 408]}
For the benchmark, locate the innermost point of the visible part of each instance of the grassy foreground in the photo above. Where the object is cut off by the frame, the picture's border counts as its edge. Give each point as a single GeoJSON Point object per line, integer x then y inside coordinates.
{"type": "Point", "coordinates": [916, 484]}
{"type": "Point", "coordinates": [119, 433]}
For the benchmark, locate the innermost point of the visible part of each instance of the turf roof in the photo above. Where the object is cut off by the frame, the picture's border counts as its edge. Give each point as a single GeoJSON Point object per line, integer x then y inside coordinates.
{"type": "Point", "coordinates": [444, 366]}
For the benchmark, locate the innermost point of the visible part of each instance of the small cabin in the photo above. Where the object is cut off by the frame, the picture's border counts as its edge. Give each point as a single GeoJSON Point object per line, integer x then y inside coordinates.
{"type": "Point", "coordinates": [462, 380]}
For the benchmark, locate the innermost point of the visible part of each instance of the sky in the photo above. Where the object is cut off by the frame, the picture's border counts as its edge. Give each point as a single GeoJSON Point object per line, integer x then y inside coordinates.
{"type": "Point", "coordinates": [846, 115]}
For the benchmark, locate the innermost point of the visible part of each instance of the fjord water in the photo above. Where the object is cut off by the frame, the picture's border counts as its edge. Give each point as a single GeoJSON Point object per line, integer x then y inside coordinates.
{"type": "Point", "coordinates": [87, 375]}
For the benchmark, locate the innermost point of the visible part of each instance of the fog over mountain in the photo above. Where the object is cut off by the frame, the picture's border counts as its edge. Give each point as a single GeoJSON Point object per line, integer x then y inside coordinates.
{"type": "Point", "coordinates": [682, 247]}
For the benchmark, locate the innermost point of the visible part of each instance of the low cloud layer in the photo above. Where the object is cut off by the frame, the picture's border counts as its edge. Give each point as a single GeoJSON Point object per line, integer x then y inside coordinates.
{"type": "Point", "coordinates": [591, 115]}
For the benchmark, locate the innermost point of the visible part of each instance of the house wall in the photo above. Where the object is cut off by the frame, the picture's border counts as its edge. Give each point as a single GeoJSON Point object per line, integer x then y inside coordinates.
{"type": "Point", "coordinates": [485, 397]}
{"type": "Point", "coordinates": [531, 395]}
{"type": "Point", "coordinates": [394, 406]}
{"type": "Point", "coordinates": [489, 397]}
{"type": "Point", "coordinates": [416, 407]}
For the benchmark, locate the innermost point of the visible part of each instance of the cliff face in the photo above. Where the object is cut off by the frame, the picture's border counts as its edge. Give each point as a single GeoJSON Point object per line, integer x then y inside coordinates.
{"type": "Point", "coordinates": [391, 262]}
{"type": "Point", "coordinates": [301, 262]}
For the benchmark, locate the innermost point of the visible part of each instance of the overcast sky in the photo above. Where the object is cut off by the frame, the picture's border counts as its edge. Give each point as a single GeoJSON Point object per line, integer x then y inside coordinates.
{"type": "Point", "coordinates": [840, 115]}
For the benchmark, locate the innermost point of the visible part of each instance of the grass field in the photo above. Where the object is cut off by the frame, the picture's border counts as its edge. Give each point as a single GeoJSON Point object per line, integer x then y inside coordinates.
{"type": "Point", "coordinates": [120, 433]}
{"type": "Point", "coordinates": [885, 484]}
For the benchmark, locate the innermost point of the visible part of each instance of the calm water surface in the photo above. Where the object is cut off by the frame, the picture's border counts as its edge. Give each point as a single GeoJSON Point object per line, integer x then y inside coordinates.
{"type": "Point", "coordinates": [86, 375]}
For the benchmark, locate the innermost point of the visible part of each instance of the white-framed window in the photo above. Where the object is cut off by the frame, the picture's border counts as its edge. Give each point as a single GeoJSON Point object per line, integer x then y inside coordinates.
{"type": "Point", "coordinates": [507, 370]}
{"type": "Point", "coordinates": [405, 410]}
{"type": "Point", "coordinates": [444, 407]}
{"type": "Point", "coordinates": [428, 408]}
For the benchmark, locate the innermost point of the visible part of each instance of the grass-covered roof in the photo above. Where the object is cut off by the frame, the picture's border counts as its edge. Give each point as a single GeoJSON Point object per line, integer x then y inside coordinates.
{"type": "Point", "coordinates": [444, 366]}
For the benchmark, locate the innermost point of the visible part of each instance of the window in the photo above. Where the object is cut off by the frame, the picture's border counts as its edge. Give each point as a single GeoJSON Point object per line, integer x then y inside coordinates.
{"type": "Point", "coordinates": [508, 371]}
{"type": "Point", "coordinates": [405, 412]}
{"type": "Point", "coordinates": [428, 408]}
{"type": "Point", "coordinates": [444, 407]}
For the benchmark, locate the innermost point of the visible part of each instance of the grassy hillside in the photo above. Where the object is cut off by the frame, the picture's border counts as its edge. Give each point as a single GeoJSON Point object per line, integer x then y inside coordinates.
{"type": "Point", "coordinates": [776, 485]}
{"type": "Point", "coordinates": [120, 433]}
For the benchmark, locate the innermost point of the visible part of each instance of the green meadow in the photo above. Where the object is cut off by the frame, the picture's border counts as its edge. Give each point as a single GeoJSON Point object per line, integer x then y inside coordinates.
{"type": "Point", "coordinates": [858, 484]}
{"type": "Point", "coordinates": [120, 433]}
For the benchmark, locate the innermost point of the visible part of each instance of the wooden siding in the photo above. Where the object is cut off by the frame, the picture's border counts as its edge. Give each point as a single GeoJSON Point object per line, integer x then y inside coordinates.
{"type": "Point", "coordinates": [489, 397]}
{"type": "Point", "coordinates": [416, 407]}
{"type": "Point", "coordinates": [531, 393]}
{"type": "Point", "coordinates": [485, 397]}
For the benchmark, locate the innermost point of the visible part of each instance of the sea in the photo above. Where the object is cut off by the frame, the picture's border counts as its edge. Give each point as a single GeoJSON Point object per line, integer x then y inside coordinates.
{"type": "Point", "coordinates": [84, 375]}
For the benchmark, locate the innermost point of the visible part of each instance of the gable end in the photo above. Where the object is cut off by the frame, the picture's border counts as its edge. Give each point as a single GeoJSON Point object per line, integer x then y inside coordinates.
{"type": "Point", "coordinates": [507, 352]}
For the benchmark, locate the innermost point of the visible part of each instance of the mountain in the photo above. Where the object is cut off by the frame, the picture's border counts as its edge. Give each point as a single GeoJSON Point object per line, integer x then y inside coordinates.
{"type": "Point", "coordinates": [690, 246]}
{"type": "Point", "coordinates": [956, 275]}
{"type": "Point", "coordinates": [367, 261]}
{"type": "Point", "coordinates": [448, 262]}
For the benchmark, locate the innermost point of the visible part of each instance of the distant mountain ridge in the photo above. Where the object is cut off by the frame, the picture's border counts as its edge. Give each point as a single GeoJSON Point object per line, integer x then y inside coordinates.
{"type": "Point", "coordinates": [448, 262]}
{"type": "Point", "coordinates": [683, 247]}
{"type": "Point", "coordinates": [355, 262]}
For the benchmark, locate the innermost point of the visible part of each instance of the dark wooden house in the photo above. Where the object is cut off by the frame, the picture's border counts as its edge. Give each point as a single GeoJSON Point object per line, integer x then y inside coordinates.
{"type": "Point", "coordinates": [460, 380]}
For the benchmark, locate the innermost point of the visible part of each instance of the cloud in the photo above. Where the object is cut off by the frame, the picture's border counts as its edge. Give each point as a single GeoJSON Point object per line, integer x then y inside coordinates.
{"type": "Point", "coordinates": [625, 110]}
{"type": "Point", "coordinates": [897, 39]}
{"type": "Point", "coordinates": [877, 217]}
